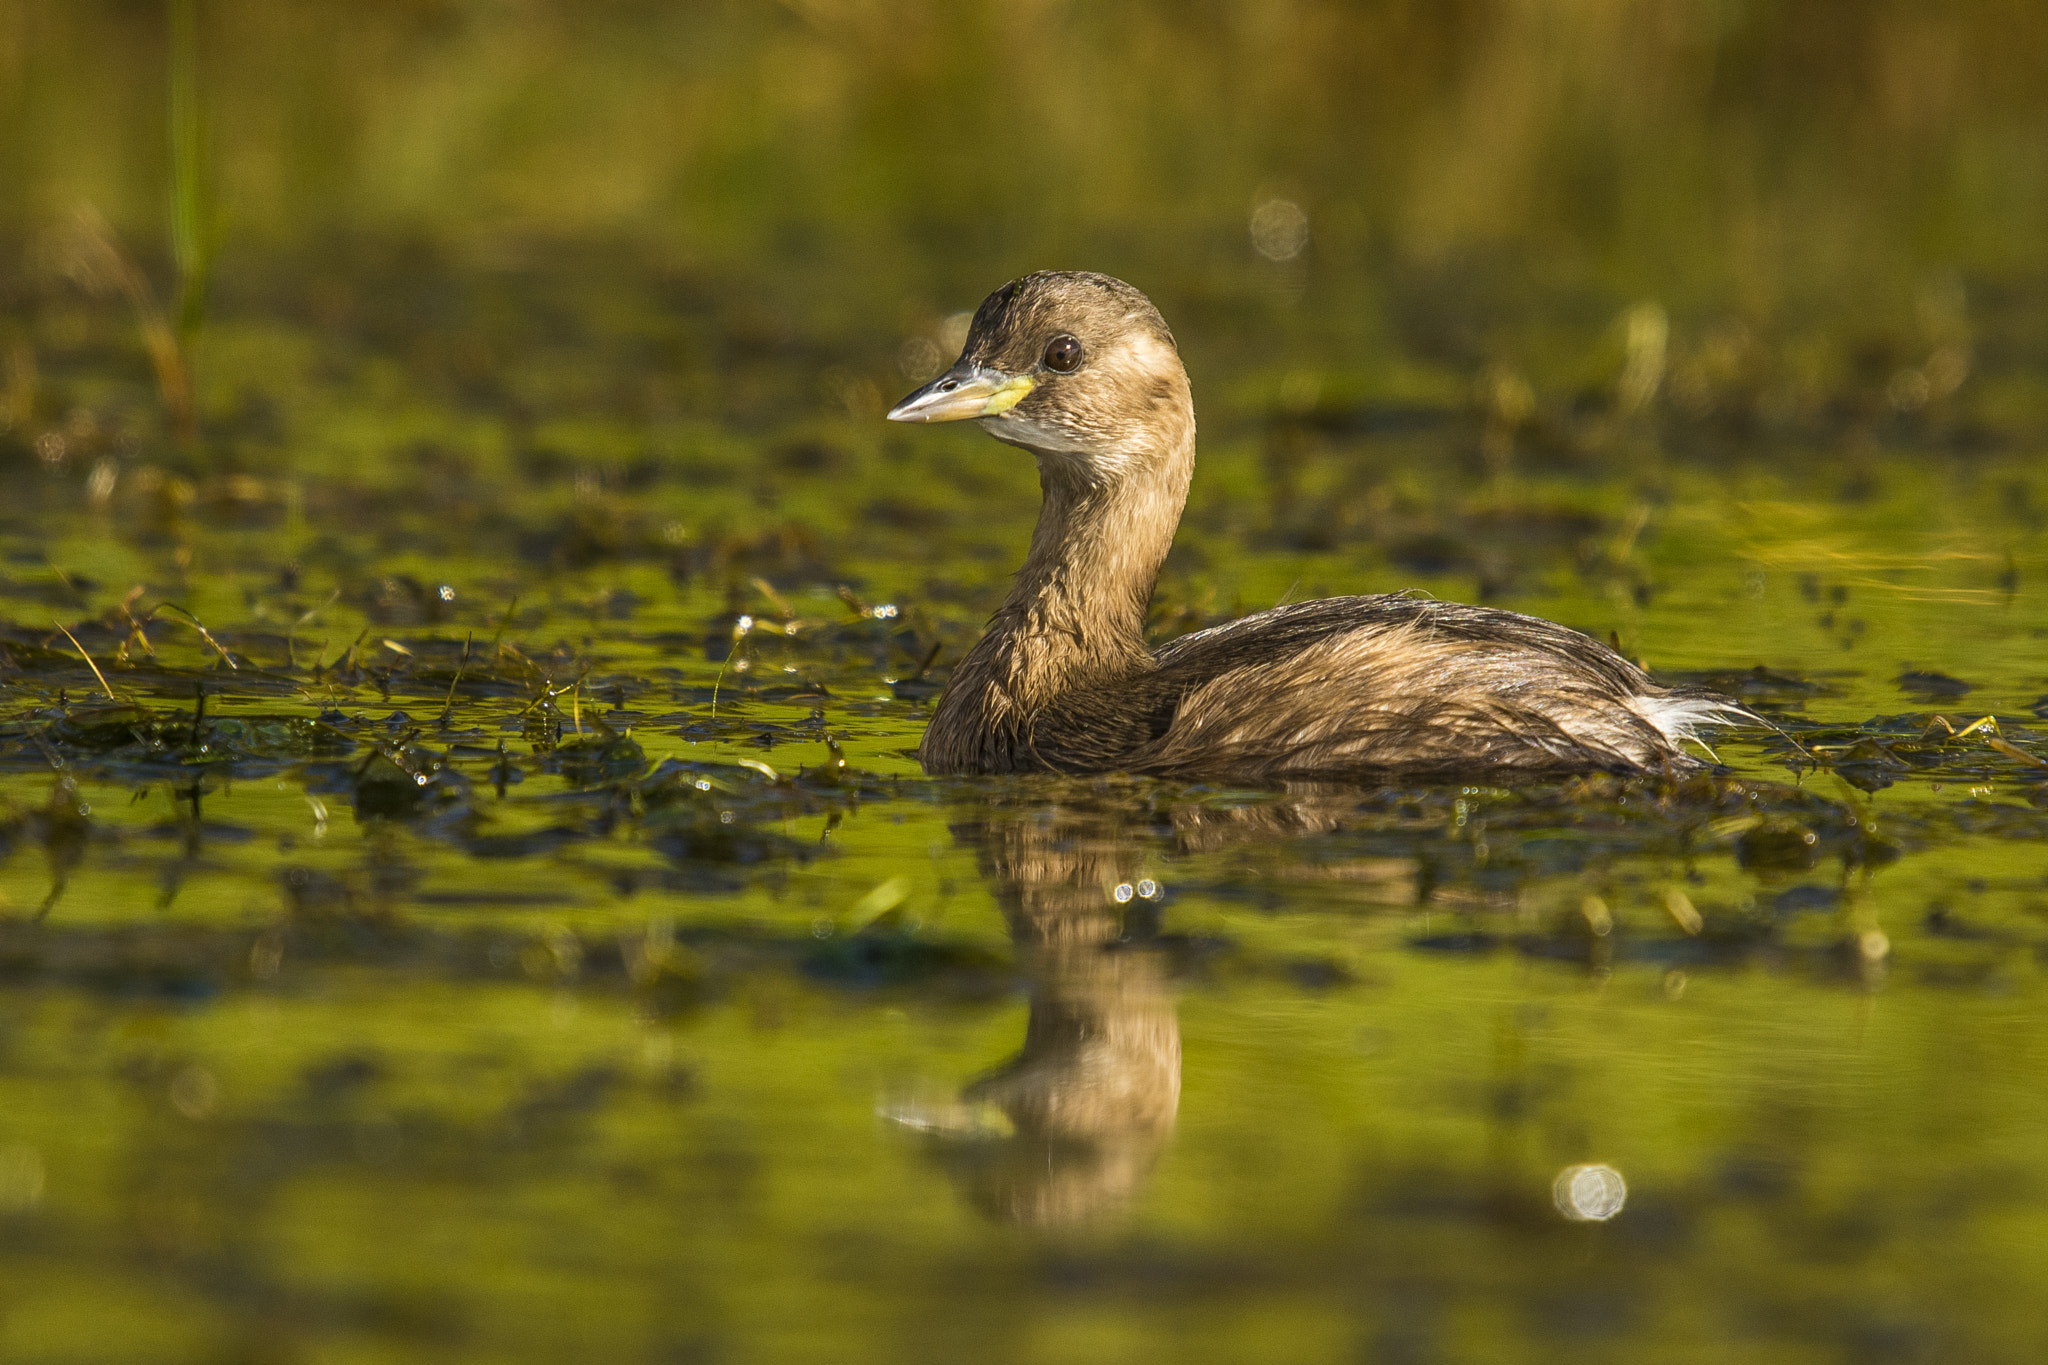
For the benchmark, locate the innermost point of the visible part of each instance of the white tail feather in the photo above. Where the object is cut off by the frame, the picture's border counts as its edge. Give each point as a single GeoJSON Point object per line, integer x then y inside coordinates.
{"type": "Point", "coordinates": [1682, 718]}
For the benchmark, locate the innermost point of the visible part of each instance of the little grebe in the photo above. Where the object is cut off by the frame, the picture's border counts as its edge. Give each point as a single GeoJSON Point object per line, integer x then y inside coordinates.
{"type": "Point", "coordinates": [1080, 370]}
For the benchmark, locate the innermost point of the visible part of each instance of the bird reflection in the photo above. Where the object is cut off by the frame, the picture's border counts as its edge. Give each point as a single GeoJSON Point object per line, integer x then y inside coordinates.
{"type": "Point", "coordinates": [1091, 1097]}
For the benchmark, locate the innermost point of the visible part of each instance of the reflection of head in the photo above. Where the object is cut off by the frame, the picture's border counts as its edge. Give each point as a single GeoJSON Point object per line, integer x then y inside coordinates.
{"type": "Point", "coordinates": [1092, 1096]}
{"type": "Point", "coordinates": [1101, 1056]}
{"type": "Point", "coordinates": [1050, 1184]}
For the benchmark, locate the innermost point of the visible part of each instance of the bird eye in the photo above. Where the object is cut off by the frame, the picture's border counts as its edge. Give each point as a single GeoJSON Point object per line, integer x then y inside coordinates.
{"type": "Point", "coordinates": [1063, 354]}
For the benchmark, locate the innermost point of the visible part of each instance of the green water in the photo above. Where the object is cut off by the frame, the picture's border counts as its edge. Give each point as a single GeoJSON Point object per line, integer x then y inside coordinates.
{"type": "Point", "coordinates": [466, 892]}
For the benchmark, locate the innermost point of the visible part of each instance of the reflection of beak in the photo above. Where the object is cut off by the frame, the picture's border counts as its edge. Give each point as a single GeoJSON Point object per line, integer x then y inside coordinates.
{"type": "Point", "coordinates": [965, 391]}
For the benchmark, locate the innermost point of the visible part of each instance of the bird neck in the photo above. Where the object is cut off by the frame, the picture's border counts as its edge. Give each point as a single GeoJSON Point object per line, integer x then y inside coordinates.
{"type": "Point", "coordinates": [1077, 608]}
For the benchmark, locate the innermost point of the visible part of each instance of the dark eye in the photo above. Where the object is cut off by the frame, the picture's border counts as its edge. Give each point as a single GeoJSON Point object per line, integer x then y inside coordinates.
{"type": "Point", "coordinates": [1063, 354]}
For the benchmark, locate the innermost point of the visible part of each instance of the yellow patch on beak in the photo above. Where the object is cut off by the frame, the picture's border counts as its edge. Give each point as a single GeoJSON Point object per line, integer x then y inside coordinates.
{"type": "Point", "coordinates": [1008, 396]}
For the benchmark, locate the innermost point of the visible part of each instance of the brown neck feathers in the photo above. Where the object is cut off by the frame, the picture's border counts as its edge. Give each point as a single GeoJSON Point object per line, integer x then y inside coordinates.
{"type": "Point", "coordinates": [1075, 618]}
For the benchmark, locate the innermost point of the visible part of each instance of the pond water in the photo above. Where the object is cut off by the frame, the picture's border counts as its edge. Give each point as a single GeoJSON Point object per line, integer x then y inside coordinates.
{"type": "Point", "coordinates": [466, 891]}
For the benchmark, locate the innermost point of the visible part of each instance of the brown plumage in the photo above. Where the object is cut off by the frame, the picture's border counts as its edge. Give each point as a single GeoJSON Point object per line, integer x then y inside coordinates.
{"type": "Point", "coordinates": [1081, 370]}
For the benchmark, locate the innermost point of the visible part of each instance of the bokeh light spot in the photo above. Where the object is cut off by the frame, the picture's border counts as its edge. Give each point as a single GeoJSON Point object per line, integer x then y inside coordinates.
{"type": "Point", "coordinates": [1279, 229]}
{"type": "Point", "coordinates": [1590, 1193]}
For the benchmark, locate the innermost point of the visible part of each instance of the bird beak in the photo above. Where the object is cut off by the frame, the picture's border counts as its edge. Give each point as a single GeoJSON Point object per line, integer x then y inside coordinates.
{"type": "Point", "coordinates": [965, 391]}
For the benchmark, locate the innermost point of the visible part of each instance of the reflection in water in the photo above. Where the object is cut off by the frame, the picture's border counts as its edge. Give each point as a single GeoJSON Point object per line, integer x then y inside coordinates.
{"type": "Point", "coordinates": [1072, 1125]}
{"type": "Point", "coordinates": [1092, 1095]}
{"type": "Point", "coordinates": [1091, 1098]}
{"type": "Point", "coordinates": [1589, 1194]}
{"type": "Point", "coordinates": [21, 1178]}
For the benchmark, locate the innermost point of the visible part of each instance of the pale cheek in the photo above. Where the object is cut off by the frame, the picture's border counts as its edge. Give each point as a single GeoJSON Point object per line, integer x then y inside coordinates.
{"type": "Point", "coordinates": [1037, 435]}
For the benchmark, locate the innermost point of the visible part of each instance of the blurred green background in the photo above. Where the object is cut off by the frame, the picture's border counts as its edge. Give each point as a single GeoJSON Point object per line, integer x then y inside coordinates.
{"type": "Point", "coordinates": [1768, 159]}
{"type": "Point", "coordinates": [475, 257]}
{"type": "Point", "coordinates": [1820, 196]}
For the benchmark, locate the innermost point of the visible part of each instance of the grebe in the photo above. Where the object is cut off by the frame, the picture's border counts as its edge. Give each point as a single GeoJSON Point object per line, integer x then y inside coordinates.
{"type": "Point", "coordinates": [1080, 370]}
